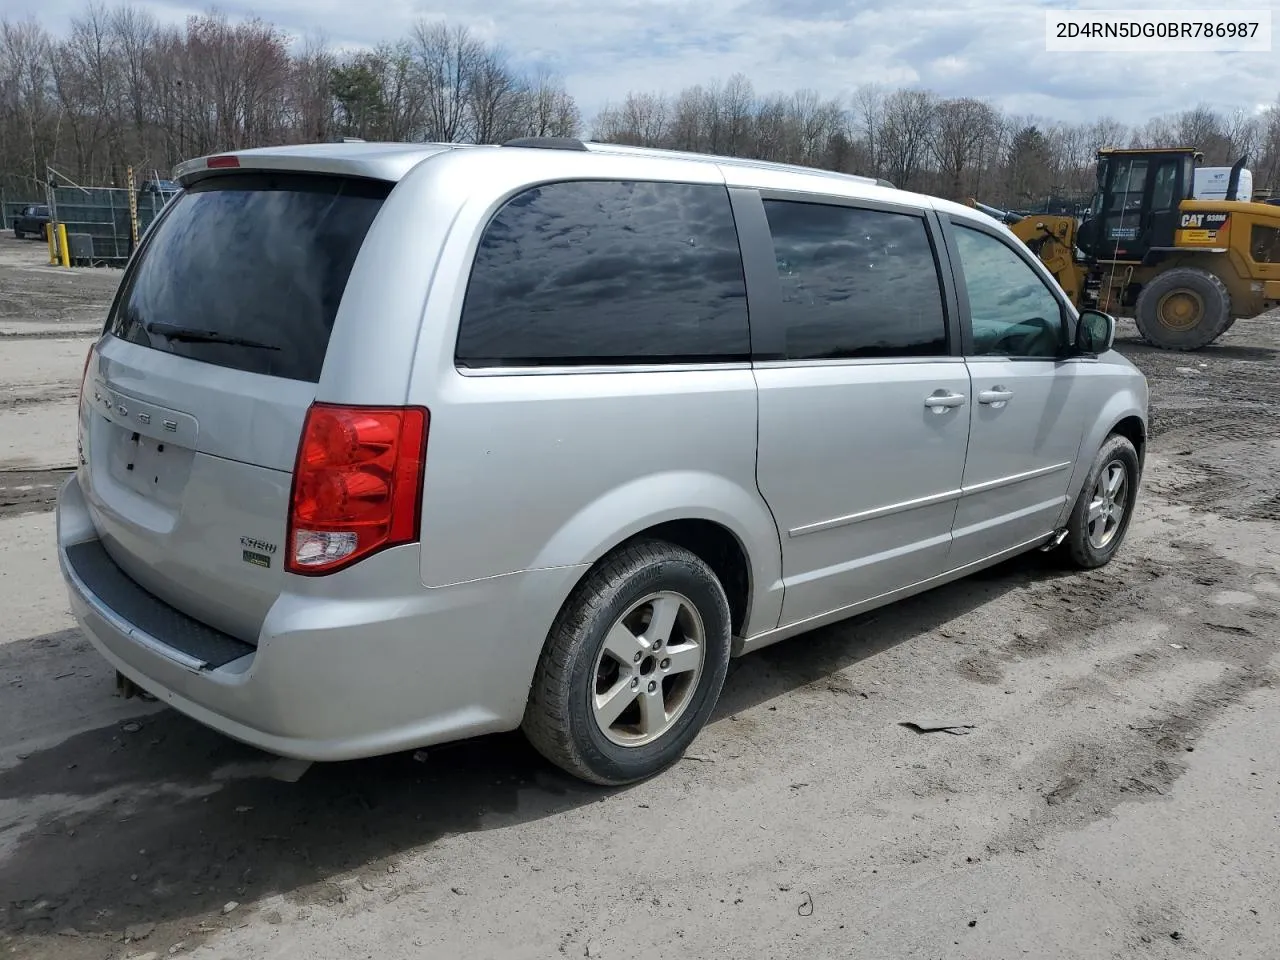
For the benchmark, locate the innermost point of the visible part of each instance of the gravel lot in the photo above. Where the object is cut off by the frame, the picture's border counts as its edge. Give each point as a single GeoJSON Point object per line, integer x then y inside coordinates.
{"type": "Point", "coordinates": [1119, 795]}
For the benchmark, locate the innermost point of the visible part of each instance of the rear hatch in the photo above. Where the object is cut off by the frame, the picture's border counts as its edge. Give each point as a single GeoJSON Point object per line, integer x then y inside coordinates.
{"type": "Point", "coordinates": [195, 400]}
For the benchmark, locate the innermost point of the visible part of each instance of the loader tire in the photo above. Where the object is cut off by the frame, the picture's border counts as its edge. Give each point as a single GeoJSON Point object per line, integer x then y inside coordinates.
{"type": "Point", "coordinates": [1183, 309]}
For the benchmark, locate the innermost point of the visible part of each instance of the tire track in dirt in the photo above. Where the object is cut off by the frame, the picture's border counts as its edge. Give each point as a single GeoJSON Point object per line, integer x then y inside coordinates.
{"type": "Point", "coordinates": [1211, 650]}
{"type": "Point", "coordinates": [30, 491]}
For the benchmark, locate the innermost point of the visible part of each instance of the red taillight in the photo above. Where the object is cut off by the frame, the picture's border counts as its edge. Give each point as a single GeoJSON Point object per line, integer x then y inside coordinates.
{"type": "Point", "coordinates": [222, 163]}
{"type": "Point", "coordinates": [357, 484]}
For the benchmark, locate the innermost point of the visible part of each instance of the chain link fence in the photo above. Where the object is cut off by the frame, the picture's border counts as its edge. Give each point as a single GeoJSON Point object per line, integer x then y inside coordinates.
{"type": "Point", "coordinates": [99, 221]}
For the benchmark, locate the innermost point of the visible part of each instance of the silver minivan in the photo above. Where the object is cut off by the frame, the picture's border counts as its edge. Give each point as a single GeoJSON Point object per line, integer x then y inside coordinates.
{"type": "Point", "coordinates": [385, 445]}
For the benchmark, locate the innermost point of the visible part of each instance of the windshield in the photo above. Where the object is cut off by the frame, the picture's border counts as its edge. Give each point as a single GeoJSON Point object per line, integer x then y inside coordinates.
{"type": "Point", "coordinates": [247, 271]}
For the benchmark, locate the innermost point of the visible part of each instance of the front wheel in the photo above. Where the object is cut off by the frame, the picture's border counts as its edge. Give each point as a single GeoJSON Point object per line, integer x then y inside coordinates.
{"type": "Point", "coordinates": [1183, 309]}
{"type": "Point", "coordinates": [633, 665]}
{"type": "Point", "coordinates": [1104, 509]}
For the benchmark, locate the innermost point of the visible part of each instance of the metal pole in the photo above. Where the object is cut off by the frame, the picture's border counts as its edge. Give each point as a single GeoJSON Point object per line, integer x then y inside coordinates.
{"type": "Point", "coordinates": [133, 212]}
{"type": "Point", "coordinates": [51, 229]}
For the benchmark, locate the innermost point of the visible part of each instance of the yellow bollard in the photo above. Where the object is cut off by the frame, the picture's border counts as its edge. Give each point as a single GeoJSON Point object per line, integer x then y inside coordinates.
{"type": "Point", "coordinates": [62, 245]}
{"type": "Point", "coordinates": [53, 247]}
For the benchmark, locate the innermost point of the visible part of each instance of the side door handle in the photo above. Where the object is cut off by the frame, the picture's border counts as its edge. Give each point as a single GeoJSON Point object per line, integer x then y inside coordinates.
{"type": "Point", "coordinates": [941, 402]}
{"type": "Point", "coordinates": [996, 397]}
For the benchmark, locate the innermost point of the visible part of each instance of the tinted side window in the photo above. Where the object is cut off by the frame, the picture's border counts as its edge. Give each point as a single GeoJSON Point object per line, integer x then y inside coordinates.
{"type": "Point", "coordinates": [1014, 314]}
{"type": "Point", "coordinates": [856, 283]}
{"type": "Point", "coordinates": [607, 272]}
{"type": "Point", "coordinates": [247, 270]}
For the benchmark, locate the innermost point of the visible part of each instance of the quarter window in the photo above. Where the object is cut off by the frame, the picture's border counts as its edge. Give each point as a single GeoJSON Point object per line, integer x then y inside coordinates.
{"type": "Point", "coordinates": [856, 282]}
{"type": "Point", "coordinates": [607, 272]}
{"type": "Point", "coordinates": [1013, 311]}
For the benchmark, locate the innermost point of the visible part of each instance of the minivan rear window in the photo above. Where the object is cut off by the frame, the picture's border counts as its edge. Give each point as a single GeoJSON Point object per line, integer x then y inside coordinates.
{"type": "Point", "coordinates": [247, 270]}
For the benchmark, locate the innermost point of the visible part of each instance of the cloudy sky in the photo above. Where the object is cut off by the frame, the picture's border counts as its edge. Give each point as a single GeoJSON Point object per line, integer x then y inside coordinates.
{"type": "Point", "coordinates": [603, 48]}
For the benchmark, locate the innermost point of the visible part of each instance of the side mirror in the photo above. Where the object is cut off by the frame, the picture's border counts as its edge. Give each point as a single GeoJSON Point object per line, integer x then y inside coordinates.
{"type": "Point", "coordinates": [1095, 332]}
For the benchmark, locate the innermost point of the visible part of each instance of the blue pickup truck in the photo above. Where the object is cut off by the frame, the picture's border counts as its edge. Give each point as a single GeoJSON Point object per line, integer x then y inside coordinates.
{"type": "Point", "coordinates": [31, 222]}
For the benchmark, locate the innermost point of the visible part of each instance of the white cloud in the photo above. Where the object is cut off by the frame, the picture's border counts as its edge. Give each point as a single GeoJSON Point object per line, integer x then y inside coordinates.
{"type": "Point", "coordinates": [603, 48]}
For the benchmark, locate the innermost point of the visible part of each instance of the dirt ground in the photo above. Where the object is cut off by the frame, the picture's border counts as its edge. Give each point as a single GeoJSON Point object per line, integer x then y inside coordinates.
{"type": "Point", "coordinates": [1118, 796]}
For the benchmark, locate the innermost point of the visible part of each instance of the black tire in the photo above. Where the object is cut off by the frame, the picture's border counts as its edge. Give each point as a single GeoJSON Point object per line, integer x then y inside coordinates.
{"type": "Point", "coordinates": [1214, 319]}
{"type": "Point", "coordinates": [17, 234]}
{"type": "Point", "coordinates": [1077, 547]}
{"type": "Point", "coordinates": [559, 720]}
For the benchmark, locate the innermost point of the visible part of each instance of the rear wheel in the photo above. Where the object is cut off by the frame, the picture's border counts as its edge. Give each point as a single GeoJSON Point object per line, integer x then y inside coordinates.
{"type": "Point", "coordinates": [1183, 309]}
{"type": "Point", "coordinates": [633, 665]}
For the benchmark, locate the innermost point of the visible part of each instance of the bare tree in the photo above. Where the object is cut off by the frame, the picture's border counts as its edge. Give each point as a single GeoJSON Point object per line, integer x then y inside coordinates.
{"type": "Point", "coordinates": [447, 59]}
{"type": "Point", "coordinates": [812, 121]}
{"type": "Point", "coordinates": [1202, 128]}
{"type": "Point", "coordinates": [868, 101]}
{"type": "Point", "coordinates": [548, 109]}
{"type": "Point", "coordinates": [1243, 133]}
{"type": "Point", "coordinates": [404, 98]}
{"type": "Point", "coordinates": [737, 103]}
{"type": "Point", "coordinates": [693, 120]}
{"type": "Point", "coordinates": [961, 127]}
{"type": "Point", "coordinates": [905, 134]}
{"type": "Point", "coordinates": [29, 125]}
{"type": "Point", "coordinates": [643, 120]}
{"type": "Point", "coordinates": [115, 89]}
{"type": "Point", "coordinates": [311, 96]}
{"type": "Point", "coordinates": [770, 128]}
{"type": "Point", "coordinates": [1103, 133]}
{"type": "Point", "coordinates": [88, 90]}
{"type": "Point", "coordinates": [1268, 168]}
{"type": "Point", "coordinates": [492, 95]}
{"type": "Point", "coordinates": [134, 33]}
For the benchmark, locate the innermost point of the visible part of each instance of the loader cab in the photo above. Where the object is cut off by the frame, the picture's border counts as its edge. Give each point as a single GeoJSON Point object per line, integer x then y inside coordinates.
{"type": "Point", "coordinates": [1136, 202]}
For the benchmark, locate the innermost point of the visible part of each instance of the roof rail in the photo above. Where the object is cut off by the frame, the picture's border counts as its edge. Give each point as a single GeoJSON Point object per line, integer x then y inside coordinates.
{"type": "Point", "coordinates": [547, 143]}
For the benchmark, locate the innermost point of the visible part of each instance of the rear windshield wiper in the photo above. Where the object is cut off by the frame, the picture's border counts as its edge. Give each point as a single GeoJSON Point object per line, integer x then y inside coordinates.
{"type": "Point", "coordinates": [173, 331]}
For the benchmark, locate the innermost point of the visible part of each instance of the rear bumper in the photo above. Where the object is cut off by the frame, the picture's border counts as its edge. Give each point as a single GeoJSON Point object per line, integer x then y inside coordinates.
{"type": "Point", "coordinates": [365, 662]}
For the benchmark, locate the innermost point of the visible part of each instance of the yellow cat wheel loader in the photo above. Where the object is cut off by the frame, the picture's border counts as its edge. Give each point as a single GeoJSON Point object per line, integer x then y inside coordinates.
{"type": "Point", "coordinates": [1179, 247]}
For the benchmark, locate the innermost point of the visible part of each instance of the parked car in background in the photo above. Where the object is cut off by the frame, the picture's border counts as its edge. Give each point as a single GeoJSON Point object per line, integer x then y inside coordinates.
{"type": "Point", "coordinates": [31, 222]}
{"type": "Point", "coordinates": [539, 436]}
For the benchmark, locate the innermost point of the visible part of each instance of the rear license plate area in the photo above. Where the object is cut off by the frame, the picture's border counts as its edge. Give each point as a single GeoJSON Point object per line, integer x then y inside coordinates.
{"type": "Point", "coordinates": [152, 468]}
